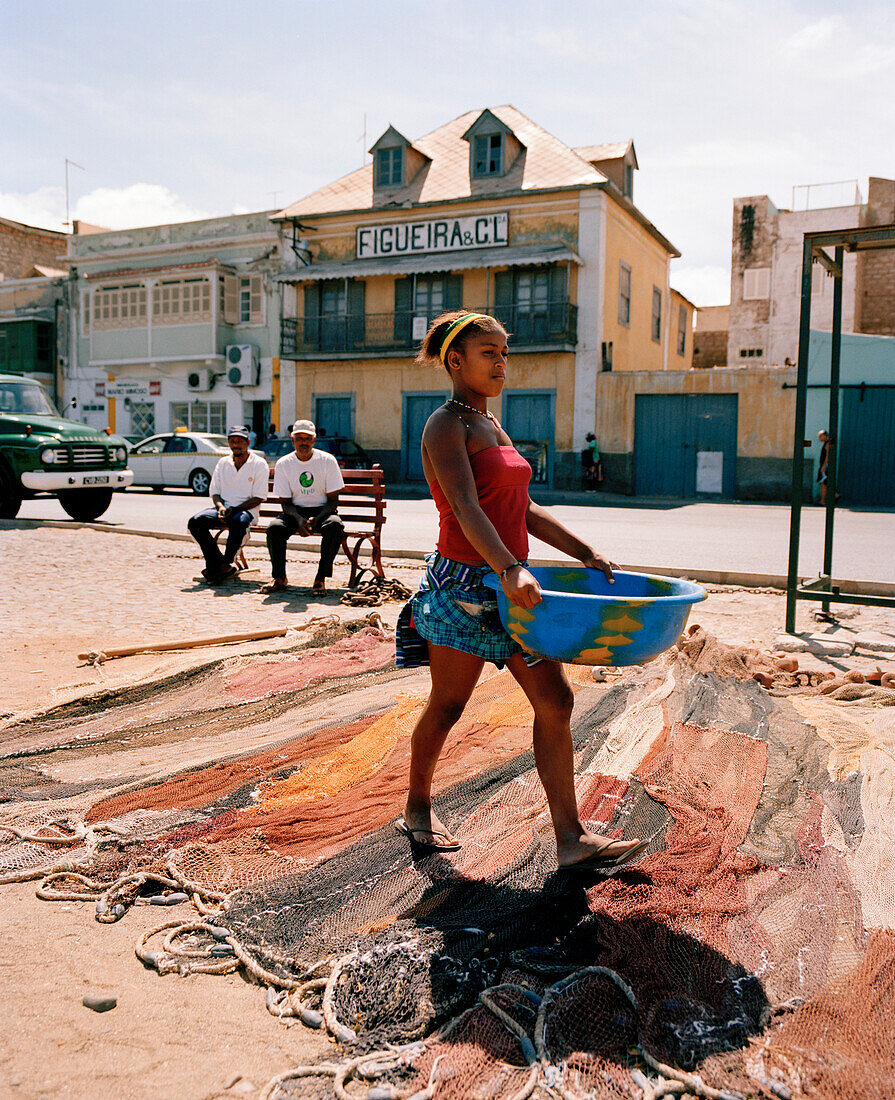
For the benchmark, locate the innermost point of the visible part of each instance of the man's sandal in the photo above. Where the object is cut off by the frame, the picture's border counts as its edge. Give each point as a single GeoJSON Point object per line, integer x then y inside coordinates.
{"type": "Point", "coordinates": [274, 586]}
{"type": "Point", "coordinates": [318, 588]}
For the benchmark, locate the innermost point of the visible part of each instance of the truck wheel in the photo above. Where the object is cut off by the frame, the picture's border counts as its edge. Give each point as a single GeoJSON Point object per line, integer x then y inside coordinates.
{"type": "Point", "coordinates": [10, 496]}
{"type": "Point", "coordinates": [199, 482]}
{"type": "Point", "coordinates": [85, 505]}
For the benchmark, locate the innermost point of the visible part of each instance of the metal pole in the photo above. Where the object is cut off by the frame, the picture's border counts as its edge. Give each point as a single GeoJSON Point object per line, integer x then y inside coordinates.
{"type": "Point", "coordinates": [833, 421]}
{"type": "Point", "coordinates": [795, 520]}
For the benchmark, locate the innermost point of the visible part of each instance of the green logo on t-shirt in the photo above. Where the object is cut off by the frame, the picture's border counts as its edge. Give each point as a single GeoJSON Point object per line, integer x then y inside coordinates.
{"type": "Point", "coordinates": [307, 480]}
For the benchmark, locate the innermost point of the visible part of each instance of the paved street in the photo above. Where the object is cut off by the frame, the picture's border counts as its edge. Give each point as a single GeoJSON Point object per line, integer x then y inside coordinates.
{"type": "Point", "coordinates": [746, 538]}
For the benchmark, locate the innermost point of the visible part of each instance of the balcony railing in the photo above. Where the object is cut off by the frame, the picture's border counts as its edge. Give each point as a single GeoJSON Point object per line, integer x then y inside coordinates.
{"type": "Point", "coordinates": [551, 324]}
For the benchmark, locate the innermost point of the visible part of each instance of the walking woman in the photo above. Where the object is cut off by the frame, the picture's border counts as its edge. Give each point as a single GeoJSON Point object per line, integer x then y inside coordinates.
{"type": "Point", "coordinates": [480, 486]}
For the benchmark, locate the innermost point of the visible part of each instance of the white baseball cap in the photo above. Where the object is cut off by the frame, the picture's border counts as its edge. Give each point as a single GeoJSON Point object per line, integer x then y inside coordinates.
{"type": "Point", "coordinates": [304, 427]}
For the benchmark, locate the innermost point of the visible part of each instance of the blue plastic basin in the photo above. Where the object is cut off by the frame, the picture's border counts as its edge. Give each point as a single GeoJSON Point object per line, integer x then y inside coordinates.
{"type": "Point", "coordinates": [585, 620]}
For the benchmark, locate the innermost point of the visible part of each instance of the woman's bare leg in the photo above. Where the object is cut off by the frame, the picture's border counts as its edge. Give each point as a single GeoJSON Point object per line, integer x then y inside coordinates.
{"type": "Point", "coordinates": [548, 691]}
{"type": "Point", "coordinates": [454, 676]}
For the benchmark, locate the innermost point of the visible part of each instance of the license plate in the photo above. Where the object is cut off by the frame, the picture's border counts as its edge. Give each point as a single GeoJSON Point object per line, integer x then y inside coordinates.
{"type": "Point", "coordinates": [102, 479]}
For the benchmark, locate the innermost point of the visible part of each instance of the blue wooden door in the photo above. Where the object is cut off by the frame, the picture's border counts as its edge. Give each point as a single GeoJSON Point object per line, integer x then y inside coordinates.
{"type": "Point", "coordinates": [866, 463]}
{"type": "Point", "coordinates": [335, 415]}
{"type": "Point", "coordinates": [528, 419]}
{"type": "Point", "coordinates": [659, 445]}
{"type": "Point", "coordinates": [418, 407]}
{"type": "Point", "coordinates": [685, 445]}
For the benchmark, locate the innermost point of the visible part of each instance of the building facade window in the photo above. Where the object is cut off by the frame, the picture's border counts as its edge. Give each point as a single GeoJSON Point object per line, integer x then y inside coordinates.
{"type": "Point", "coordinates": [656, 316]}
{"type": "Point", "coordinates": [200, 416]}
{"type": "Point", "coordinates": [181, 302]}
{"type": "Point", "coordinates": [682, 330]}
{"type": "Point", "coordinates": [533, 304]}
{"type": "Point", "coordinates": [390, 167]}
{"type": "Point", "coordinates": [119, 307]}
{"type": "Point", "coordinates": [756, 283]}
{"type": "Point", "coordinates": [624, 294]}
{"type": "Point", "coordinates": [334, 315]}
{"type": "Point", "coordinates": [607, 355]}
{"type": "Point", "coordinates": [419, 299]}
{"type": "Point", "coordinates": [487, 155]}
{"type": "Point", "coordinates": [251, 300]}
{"type": "Point", "coordinates": [751, 353]}
{"type": "Point", "coordinates": [142, 418]}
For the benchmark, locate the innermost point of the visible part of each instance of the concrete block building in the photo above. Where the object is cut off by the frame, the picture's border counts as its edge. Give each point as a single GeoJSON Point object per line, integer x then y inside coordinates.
{"type": "Point", "coordinates": [487, 212]}
{"type": "Point", "coordinates": [33, 300]}
{"type": "Point", "coordinates": [175, 325]}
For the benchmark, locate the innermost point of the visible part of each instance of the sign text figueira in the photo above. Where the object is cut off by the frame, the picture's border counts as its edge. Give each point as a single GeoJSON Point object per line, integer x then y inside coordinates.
{"type": "Point", "coordinates": [438, 235]}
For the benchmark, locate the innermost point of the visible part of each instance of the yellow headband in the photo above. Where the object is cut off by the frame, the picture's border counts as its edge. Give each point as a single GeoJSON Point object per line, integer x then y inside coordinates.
{"type": "Point", "coordinates": [456, 326]}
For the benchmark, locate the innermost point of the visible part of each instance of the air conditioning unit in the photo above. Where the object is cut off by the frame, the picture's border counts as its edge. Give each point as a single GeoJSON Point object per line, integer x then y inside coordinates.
{"type": "Point", "coordinates": [201, 379]}
{"type": "Point", "coordinates": [242, 365]}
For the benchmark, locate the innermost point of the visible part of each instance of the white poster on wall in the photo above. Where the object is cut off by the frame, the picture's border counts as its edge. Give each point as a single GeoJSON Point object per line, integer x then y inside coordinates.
{"type": "Point", "coordinates": [709, 471]}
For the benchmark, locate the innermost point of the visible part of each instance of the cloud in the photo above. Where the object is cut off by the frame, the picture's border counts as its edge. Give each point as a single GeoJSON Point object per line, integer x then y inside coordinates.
{"type": "Point", "coordinates": [136, 205]}
{"type": "Point", "coordinates": [708, 285]}
{"type": "Point", "coordinates": [113, 207]}
{"type": "Point", "coordinates": [813, 35]}
{"type": "Point", "coordinates": [44, 207]}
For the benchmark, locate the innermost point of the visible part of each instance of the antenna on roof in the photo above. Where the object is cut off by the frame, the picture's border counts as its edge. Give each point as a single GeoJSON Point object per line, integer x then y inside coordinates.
{"type": "Point", "coordinates": [83, 169]}
{"type": "Point", "coordinates": [363, 140]}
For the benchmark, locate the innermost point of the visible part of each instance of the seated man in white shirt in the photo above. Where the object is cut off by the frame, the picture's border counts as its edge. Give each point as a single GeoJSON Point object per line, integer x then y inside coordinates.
{"type": "Point", "coordinates": [308, 483]}
{"type": "Point", "coordinates": [238, 488]}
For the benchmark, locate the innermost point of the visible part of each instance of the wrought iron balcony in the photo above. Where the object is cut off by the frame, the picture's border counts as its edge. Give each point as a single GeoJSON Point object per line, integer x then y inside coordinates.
{"type": "Point", "coordinates": [551, 324]}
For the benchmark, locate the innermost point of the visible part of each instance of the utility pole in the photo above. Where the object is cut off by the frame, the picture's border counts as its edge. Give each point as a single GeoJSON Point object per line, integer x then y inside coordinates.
{"type": "Point", "coordinates": [74, 165]}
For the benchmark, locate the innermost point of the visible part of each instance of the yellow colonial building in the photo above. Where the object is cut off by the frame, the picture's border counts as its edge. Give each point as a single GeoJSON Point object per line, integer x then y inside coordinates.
{"type": "Point", "coordinates": [488, 212]}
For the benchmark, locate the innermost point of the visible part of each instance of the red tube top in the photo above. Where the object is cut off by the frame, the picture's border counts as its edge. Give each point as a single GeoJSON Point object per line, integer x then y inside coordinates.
{"type": "Point", "coordinates": [501, 479]}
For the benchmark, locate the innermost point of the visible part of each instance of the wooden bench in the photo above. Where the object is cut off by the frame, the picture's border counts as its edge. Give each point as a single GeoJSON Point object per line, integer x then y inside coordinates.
{"type": "Point", "coordinates": [361, 509]}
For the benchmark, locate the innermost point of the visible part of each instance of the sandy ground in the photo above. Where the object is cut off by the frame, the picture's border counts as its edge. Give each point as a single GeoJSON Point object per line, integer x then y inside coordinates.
{"type": "Point", "coordinates": [65, 592]}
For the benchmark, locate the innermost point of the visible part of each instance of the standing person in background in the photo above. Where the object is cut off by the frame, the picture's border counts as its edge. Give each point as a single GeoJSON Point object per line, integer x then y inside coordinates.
{"type": "Point", "coordinates": [253, 438]}
{"type": "Point", "coordinates": [308, 483]}
{"type": "Point", "coordinates": [238, 488]}
{"type": "Point", "coordinates": [590, 462]}
{"type": "Point", "coordinates": [825, 444]}
{"type": "Point", "coordinates": [479, 482]}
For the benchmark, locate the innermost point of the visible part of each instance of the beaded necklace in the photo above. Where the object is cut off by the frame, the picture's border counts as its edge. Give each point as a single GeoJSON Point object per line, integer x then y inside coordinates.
{"type": "Point", "coordinates": [472, 409]}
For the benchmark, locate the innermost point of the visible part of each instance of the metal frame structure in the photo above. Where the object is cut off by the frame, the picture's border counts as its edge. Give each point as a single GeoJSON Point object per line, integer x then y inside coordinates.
{"type": "Point", "coordinates": [814, 250]}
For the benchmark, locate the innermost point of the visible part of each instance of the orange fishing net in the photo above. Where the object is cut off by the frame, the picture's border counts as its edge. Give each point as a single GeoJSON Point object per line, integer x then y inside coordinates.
{"type": "Point", "coordinates": [751, 951]}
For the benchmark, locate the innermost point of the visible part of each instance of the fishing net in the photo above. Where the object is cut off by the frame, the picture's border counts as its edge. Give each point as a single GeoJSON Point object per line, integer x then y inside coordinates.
{"type": "Point", "coordinates": [749, 952]}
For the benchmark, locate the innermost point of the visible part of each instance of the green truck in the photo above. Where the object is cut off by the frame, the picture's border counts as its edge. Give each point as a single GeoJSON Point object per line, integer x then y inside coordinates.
{"type": "Point", "coordinates": [42, 453]}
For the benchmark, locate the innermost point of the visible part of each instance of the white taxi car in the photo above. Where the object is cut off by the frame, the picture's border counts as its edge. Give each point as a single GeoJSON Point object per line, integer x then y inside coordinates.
{"type": "Point", "coordinates": [177, 460]}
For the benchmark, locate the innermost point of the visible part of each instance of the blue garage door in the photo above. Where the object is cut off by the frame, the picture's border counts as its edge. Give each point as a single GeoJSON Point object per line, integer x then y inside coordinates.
{"type": "Point", "coordinates": [418, 407]}
{"type": "Point", "coordinates": [685, 445]}
{"type": "Point", "coordinates": [528, 419]}
{"type": "Point", "coordinates": [335, 414]}
{"type": "Point", "coordinates": [866, 466]}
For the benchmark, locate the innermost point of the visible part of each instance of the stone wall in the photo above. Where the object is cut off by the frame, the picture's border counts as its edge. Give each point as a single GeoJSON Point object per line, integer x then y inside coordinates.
{"type": "Point", "coordinates": [710, 348]}
{"type": "Point", "coordinates": [876, 270]}
{"type": "Point", "coordinates": [23, 246]}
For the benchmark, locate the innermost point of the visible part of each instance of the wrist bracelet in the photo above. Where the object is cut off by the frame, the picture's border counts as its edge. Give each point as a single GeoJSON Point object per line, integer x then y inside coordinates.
{"type": "Point", "coordinates": [512, 565]}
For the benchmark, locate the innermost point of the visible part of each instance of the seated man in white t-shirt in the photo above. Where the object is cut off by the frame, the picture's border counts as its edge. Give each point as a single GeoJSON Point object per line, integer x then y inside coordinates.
{"type": "Point", "coordinates": [308, 483]}
{"type": "Point", "coordinates": [238, 488]}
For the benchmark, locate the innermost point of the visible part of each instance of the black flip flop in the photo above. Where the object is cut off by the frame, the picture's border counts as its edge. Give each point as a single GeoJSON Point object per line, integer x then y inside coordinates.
{"type": "Point", "coordinates": [597, 862]}
{"type": "Point", "coordinates": [423, 846]}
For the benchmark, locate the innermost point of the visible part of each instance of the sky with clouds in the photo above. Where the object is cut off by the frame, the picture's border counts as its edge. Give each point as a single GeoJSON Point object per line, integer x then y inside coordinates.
{"type": "Point", "coordinates": [189, 110]}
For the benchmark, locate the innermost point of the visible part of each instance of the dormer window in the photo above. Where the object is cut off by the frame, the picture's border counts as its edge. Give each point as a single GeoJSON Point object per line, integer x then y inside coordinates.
{"type": "Point", "coordinates": [494, 150]}
{"type": "Point", "coordinates": [390, 166]}
{"type": "Point", "coordinates": [396, 163]}
{"type": "Point", "coordinates": [487, 155]}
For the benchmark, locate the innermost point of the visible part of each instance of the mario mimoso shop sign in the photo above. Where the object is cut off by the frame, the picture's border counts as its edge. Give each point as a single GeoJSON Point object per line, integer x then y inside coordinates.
{"type": "Point", "coordinates": [438, 235]}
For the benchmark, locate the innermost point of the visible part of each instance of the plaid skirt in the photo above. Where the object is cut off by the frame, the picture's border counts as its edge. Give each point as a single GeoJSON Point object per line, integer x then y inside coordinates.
{"type": "Point", "coordinates": [454, 608]}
